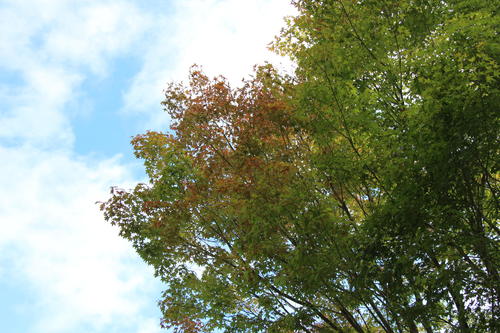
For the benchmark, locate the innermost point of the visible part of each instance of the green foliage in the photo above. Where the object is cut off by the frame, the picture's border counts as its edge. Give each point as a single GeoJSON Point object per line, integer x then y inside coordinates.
{"type": "Point", "coordinates": [361, 195]}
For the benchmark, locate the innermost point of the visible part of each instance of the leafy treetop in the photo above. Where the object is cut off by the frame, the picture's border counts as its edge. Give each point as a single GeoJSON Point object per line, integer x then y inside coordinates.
{"type": "Point", "coordinates": [360, 195]}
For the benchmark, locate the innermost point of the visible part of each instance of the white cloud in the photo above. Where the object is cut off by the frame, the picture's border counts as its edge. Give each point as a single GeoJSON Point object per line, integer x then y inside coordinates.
{"type": "Point", "coordinates": [53, 46]}
{"type": "Point", "coordinates": [226, 37]}
{"type": "Point", "coordinates": [68, 33]}
{"type": "Point", "coordinates": [80, 271]}
{"type": "Point", "coordinates": [53, 237]}
{"type": "Point", "coordinates": [89, 34]}
{"type": "Point", "coordinates": [149, 326]}
{"type": "Point", "coordinates": [33, 112]}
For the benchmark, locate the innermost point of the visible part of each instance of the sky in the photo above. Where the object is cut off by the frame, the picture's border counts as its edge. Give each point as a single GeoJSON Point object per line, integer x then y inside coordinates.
{"type": "Point", "coordinates": [78, 78]}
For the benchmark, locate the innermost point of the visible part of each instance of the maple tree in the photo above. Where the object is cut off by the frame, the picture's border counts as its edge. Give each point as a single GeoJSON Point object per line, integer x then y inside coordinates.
{"type": "Point", "coordinates": [359, 195]}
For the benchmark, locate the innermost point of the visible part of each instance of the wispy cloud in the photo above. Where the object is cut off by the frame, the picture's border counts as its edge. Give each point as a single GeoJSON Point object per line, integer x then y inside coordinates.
{"type": "Point", "coordinates": [68, 33]}
{"type": "Point", "coordinates": [90, 34]}
{"type": "Point", "coordinates": [52, 46]}
{"type": "Point", "coordinates": [79, 273]}
{"type": "Point", "coordinates": [33, 112]}
{"type": "Point", "coordinates": [226, 37]}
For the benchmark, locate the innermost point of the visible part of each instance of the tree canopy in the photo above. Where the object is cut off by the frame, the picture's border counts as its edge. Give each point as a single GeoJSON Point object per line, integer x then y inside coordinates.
{"type": "Point", "coordinates": [358, 195]}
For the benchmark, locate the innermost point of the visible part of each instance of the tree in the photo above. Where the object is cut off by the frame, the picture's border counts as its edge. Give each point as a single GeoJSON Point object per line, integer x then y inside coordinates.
{"type": "Point", "coordinates": [359, 195]}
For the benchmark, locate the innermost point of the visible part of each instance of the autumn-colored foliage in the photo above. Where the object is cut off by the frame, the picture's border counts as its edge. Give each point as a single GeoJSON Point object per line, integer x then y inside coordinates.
{"type": "Point", "coordinates": [359, 195]}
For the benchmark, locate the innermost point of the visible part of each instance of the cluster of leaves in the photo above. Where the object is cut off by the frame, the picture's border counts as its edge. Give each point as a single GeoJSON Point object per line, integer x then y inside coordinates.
{"type": "Point", "coordinates": [360, 195]}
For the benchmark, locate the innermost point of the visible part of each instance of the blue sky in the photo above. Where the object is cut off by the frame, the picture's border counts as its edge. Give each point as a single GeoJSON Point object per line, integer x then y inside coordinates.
{"type": "Point", "coordinates": [78, 78]}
